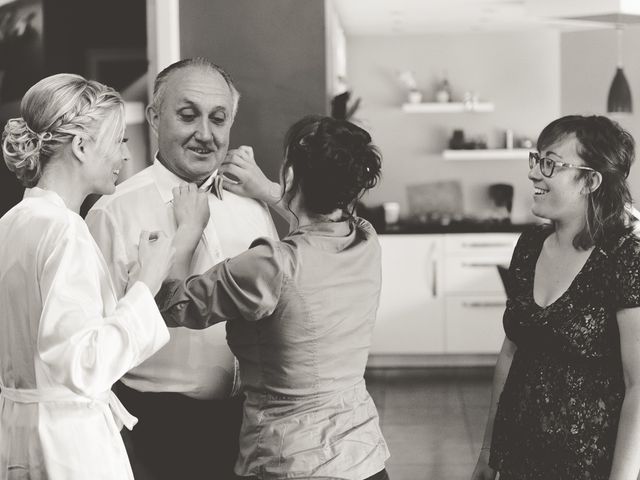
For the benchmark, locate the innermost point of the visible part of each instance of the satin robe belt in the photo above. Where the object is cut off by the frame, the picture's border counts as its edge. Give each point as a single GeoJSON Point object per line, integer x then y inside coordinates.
{"type": "Point", "coordinates": [47, 395]}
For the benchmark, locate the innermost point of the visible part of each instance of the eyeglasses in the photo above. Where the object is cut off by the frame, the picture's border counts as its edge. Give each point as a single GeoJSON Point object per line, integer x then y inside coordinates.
{"type": "Point", "coordinates": [548, 165]}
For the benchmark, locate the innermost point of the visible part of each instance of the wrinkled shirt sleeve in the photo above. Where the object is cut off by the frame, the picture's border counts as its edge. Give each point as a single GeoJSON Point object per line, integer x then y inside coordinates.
{"type": "Point", "coordinates": [87, 339]}
{"type": "Point", "coordinates": [244, 287]}
{"type": "Point", "coordinates": [107, 236]}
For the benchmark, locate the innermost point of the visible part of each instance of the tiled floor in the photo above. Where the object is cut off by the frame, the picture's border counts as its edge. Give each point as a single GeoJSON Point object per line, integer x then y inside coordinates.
{"type": "Point", "coordinates": [433, 419]}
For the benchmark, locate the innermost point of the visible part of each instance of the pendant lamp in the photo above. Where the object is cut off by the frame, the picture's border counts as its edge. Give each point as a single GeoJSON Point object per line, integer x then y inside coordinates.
{"type": "Point", "coordinates": [619, 99]}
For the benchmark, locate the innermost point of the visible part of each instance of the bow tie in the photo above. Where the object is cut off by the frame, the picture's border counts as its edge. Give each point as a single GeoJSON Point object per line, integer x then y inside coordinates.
{"type": "Point", "coordinates": [216, 186]}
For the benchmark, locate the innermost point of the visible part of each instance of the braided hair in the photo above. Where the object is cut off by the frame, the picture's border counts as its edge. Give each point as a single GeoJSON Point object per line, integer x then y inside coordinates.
{"type": "Point", "coordinates": [54, 110]}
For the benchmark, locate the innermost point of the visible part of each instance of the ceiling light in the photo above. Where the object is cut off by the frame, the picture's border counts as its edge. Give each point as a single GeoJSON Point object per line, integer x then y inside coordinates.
{"type": "Point", "coordinates": [619, 99]}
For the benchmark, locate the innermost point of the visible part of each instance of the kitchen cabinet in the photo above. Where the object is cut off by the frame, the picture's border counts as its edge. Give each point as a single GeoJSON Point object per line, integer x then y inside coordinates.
{"type": "Point", "coordinates": [474, 295]}
{"type": "Point", "coordinates": [442, 294]}
{"type": "Point", "coordinates": [474, 324]}
{"type": "Point", "coordinates": [411, 312]}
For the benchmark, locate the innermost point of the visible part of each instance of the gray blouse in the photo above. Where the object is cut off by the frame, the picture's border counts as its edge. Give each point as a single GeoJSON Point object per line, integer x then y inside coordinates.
{"type": "Point", "coordinates": [300, 316]}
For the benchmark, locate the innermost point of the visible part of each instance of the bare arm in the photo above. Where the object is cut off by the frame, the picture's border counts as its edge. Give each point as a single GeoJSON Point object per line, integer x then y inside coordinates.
{"type": "Point", "coordinates": [482, 470]}
{"type": "Point", "coordinates": [626, 459]}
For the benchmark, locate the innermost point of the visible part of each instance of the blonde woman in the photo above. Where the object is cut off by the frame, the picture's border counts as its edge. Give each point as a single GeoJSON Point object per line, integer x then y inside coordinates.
{"type": "Point", "coordinates": [64, 336]}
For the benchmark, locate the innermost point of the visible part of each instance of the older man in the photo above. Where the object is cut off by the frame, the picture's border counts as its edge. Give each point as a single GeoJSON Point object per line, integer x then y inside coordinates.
{"type": "Point", "coordinates": [185, 395]}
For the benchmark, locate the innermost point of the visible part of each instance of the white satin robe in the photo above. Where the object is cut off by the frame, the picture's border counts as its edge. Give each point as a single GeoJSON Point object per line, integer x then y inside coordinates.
{"type": "Point", "coordinates": [64, 340]}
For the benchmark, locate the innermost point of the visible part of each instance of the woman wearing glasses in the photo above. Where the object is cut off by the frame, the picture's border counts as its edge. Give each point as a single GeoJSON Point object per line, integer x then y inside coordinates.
{"type": "Point", "coordinates": [566, 391]}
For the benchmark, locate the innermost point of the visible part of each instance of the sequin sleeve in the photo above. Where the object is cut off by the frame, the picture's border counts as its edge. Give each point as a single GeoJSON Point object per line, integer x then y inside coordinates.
{"type": "Point", "coordinates": [627, 272]}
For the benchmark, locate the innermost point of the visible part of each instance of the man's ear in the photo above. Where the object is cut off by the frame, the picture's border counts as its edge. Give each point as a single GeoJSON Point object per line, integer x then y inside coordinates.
{"type": "Point", "coordinates": [592, 182]}
{"type": "Point", "coordinates": [152, 118]}
{"type": "Point", "coordinates": [78, 147]}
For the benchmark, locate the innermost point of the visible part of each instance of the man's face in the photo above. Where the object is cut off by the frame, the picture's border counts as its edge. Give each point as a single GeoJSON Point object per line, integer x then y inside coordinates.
{"type": "Point", "coordinates": [193, 123]}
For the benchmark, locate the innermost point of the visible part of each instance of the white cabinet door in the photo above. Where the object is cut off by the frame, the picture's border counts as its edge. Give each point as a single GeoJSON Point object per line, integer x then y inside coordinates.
{"type": "Point", "coordinates": [480, 243]}
{"type": "Point", "coordinates": [471, 261]}
{"type": "Point", "coordinates": [475, 297]}
{"type": "Point", "coordinates": [474, 273]}
{"type": "Point", "coordinates": [474, 323]}
{"type": "Point", "coordinates": [411, 313]}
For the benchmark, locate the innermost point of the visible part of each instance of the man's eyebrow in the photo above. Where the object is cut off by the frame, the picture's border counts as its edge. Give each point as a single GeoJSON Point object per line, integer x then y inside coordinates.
{"type": "Point", "coordinates": [186, 102]}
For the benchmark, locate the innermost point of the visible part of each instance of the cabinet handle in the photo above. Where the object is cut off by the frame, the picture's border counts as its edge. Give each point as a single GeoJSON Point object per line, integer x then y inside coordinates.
{"type": "Point", "coordinates": [483, 304]}
{"type": "Point", "coordinates": [434, 280]}
{"type": "Point", "coordinates": [479, 265]}
{"type": "Point", "coordinates": [486, 244]}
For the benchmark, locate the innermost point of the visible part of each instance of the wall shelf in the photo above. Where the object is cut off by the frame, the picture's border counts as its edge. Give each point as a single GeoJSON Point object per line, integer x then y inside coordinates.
{"type": "Point", "coordinates": [486, 154]}
{"type": "Point", "coordinates": [449, 107]}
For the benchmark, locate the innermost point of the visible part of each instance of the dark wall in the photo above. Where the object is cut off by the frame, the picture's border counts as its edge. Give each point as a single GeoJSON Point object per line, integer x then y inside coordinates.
{"type": "Point", "coordinates": [71, 31]}
{"type": "Point", "coordinates": [275, 51]}
{"type": "Point", "coordinates": [73, 27]}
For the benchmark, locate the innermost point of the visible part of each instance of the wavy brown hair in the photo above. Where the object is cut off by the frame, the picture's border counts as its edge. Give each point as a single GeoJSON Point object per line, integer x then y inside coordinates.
{"type": "Point", "coordinates": [334, 163]}
{"type": "Point", "coordinates": [610, 150]}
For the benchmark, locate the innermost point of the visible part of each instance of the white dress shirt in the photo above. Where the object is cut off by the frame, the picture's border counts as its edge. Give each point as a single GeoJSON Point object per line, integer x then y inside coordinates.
{"type": "Point", "coordinates": [65, 339]}
{"type": "Point", "coordinates": [197, 363]}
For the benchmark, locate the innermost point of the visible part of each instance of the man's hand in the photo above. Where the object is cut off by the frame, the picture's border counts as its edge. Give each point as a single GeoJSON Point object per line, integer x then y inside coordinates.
{"type": "Point", "coordinates": [242, 176]}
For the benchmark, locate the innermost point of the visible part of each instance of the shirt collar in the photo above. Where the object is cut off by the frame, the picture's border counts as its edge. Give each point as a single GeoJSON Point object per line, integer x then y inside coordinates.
{"type": "Point", "coordinates": [166, 180]}
{"type": "Point", "coordinates": [329, 229]}
{"type": "Point", "coordinates": [49, 195]}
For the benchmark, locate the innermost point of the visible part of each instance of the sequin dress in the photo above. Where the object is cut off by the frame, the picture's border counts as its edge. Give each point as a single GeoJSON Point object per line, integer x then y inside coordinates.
{"type": "Point", "coordinates": [557, 417]}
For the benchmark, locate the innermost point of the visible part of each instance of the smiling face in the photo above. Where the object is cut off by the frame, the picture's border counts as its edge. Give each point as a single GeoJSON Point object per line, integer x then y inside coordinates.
{"type": "Point", "coordinates": [107, 150]}
{"type": "Point", "coordinates": [193, 123]}
{"type": "Point", "coordinates": [563, 196]}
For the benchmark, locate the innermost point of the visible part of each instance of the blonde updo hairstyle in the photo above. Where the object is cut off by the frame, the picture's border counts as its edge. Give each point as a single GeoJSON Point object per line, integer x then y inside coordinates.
{"type": "Point", "coordinates": [54, 110]}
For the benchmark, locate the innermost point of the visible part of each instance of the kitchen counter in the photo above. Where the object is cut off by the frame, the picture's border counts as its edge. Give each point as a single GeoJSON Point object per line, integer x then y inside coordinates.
{"type": "Point", "coordinates": [455, 227]}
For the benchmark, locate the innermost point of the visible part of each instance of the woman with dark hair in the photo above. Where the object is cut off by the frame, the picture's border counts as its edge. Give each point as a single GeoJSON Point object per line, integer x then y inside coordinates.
{"type": "Point", "coordinates": [299, 312]}
{"type": "Point", "coordinates": [568, 374]}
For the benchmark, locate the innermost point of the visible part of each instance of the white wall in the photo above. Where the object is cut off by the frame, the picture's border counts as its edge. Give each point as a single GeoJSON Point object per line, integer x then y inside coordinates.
{"type": "Point", "coordinates": [519, 72]}
{"type": "Point", "coordinates": [588, 66]}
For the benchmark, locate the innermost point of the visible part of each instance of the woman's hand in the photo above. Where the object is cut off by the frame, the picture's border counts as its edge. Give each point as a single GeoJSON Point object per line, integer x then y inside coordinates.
{"type": "Point", "coordinates": [242, 176]}
{"type": "Point", "coordinates": [155, 256]}
{"type": "Point", "coordinates": [191, 209]}
{"type": "Point", "coordinates": [190, 206]}
{"type": "Point", "coordinates": [483, 471]}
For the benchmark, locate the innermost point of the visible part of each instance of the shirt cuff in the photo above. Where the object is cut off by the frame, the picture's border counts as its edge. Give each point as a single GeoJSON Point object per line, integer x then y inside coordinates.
{"type": "Point", "coordinates": [167, 301]}
{"type": "Point", "coordinates": [150, 329]}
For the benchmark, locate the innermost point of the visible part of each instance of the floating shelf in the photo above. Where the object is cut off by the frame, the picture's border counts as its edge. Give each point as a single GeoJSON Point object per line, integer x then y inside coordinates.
{"type": "Point", "coordinates": [449, 107]}
{"type": "Point", "coordinates": [485, 154]}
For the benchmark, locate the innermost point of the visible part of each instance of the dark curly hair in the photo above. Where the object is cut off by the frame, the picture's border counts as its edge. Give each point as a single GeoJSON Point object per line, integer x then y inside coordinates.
{"type": "Point", "coordinates": [610, 150]}
{"type": "Point", "coordinates": [333, 162]}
